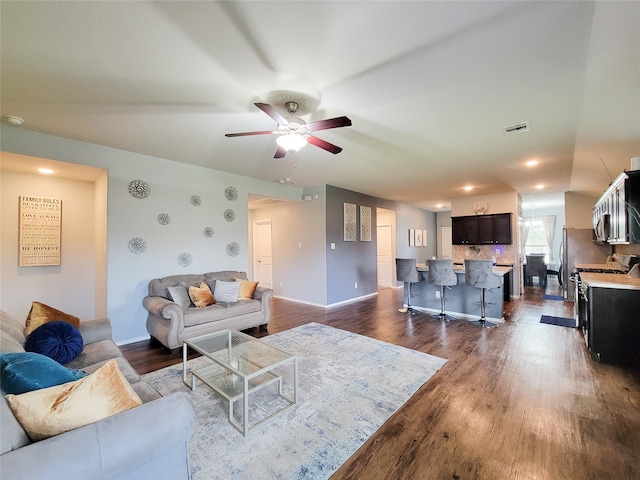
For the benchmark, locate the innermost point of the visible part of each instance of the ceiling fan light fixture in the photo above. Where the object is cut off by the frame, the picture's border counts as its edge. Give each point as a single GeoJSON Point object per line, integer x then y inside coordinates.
{"type": "Point", "coordinates": [291, 142]}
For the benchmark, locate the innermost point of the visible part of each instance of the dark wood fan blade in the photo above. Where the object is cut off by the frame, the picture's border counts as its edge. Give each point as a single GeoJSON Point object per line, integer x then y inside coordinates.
{"type": "Point", "coordinates": [244, 134]}
{"type": "Point", "coordinates": [280, 152]}
{"type": "Point", "coordinates": [272, 112]}
{"type": "Point", "coordinates": [318, 142]}
{"type": "Point", "coordinates": [329, 123]}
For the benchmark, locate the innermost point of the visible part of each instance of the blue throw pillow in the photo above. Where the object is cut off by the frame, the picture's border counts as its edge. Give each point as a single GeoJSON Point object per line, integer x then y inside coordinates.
{"type": "Point", "coordinates": [26, 371]}
{"type": "Point", "coordinates": [58, 340]}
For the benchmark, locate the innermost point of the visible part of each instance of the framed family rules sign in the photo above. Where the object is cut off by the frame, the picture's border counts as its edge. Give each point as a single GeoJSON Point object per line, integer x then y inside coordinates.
{"type": "Point", "coordinates": [39, 231]}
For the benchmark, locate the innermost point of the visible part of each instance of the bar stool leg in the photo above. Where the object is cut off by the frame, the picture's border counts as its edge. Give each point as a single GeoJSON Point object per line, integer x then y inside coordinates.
{"type": "Point", "coordinates": [482, 322]}
{"type": "Point", "coordinates": [442, 315]}
{"type": "Point", "coordinates": [411, 310]}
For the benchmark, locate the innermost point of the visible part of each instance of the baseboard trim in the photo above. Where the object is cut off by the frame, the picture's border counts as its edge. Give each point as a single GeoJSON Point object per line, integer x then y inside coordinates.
{"type": "Point", "coordinates": [337, 304]}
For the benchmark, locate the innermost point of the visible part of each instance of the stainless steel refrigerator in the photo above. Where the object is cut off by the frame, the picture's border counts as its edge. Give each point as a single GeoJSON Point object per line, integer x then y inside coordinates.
{"type": "Point", "coordinates": [578, 247]}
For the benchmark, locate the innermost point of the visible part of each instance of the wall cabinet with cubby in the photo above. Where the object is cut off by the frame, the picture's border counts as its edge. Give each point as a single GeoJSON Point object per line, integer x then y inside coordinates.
{"type": "Point", "coordinates": [616, 216]}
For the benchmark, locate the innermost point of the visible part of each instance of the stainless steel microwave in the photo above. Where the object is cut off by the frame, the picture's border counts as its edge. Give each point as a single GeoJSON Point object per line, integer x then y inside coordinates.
{"type": "Point", "coordinates": [601, 230]}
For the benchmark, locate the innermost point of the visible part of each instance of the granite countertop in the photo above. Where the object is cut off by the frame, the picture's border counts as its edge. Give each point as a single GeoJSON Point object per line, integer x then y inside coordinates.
{"type": "Point", "coordinates": [610, 280]}
{"type": "Point", "coordinates": [602, 266]}
{"type": "Point", "coordinates": [500, 271]}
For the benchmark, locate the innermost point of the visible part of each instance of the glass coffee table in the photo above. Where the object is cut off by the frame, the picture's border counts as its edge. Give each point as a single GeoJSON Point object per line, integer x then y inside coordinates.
{"type": "Point", "coordinates": [242, 365]}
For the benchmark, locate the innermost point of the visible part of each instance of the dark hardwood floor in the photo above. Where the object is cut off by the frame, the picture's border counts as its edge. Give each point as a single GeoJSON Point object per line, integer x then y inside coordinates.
{"type": "Point", "coordinates": [521, 401]}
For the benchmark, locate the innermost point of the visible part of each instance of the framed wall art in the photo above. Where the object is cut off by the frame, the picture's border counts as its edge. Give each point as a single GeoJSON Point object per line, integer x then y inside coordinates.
{"type": "Point", "coordinates": [349, 222]}
{"type": "Point", "coordinates": [40, 231]}
{"type": "Point", "coordinates": [365, 224]}
{"type": "Point", "coordinates": [412, 237]}
{"type": "Point", "coordinates": [418, 238]}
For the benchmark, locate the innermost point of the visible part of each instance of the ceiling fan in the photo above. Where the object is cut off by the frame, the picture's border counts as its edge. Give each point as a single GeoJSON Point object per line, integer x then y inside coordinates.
{"type": "Point", "coordinates": [293, 132]}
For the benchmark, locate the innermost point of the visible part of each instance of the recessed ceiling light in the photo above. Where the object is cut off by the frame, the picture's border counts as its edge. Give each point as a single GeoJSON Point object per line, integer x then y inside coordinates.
{"type": "Point", "coordinates": [531, 163]}
{"type": "Point", "coordinates": [46, 171]}
{"type": "Point", "coordinates": [468, 188]}
{"type": "Point", "coordinates": [540, 187]}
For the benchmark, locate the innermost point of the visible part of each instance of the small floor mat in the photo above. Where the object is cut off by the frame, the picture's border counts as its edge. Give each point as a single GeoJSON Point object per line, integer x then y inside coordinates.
{"type": "Point", "coordinates": [560, 321]}
{"type": "Point", "coordinates": [552, 297]}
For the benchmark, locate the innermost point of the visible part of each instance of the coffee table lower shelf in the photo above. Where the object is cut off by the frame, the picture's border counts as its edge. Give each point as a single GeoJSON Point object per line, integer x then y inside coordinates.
{"type": "Point", "coordinates": [232, 388]}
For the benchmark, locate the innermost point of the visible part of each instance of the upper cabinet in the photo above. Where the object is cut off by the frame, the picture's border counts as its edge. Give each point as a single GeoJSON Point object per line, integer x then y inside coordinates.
{"type": "Point", "coordinates": [482, 229]}
{"type": "Point", "coordinates": [616, 216]}
{"type": "Point", "coordinates": [465, 231]}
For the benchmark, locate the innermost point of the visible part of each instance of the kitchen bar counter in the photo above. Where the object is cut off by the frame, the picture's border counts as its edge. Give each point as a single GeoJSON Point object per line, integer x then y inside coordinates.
{"type": "Point", "coordinates": [461, 301]}
{"type": "Point", "coordinates": [610, 280]}
{"type": "Point", "coordinates": [497, 270]}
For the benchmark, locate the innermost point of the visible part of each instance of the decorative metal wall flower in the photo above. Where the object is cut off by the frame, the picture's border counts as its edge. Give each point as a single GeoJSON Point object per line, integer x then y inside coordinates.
{"type": "Point", "coordinates": [231, 193]}
{"type": "Point", "coordinates": [233, 249]}
{"type": "Point", "coordinates": [208, 232]}
{"type": "Point", "coordinates": [139, 189]}
{"type": "Point", "coordinates": [137, 245]}
{"type": "Point", "coordinates": [196, 200]}
{"type": "Point", "coordinates": [185, 259]}
{"type": "Point", "coordinates": [164, 219]}
{"type": "Point", "coordinates": [229, 215]}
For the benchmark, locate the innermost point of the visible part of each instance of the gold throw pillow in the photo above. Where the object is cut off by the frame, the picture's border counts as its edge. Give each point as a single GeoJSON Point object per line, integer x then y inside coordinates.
{"type": "Point", "coordinates": [201, 296]}
{"type": "Point", "coordinates": [50, 411]}
{"type": "Point", "coordinates": [41, 314]}
{"type": "Point", "coordinates": [247, 289]}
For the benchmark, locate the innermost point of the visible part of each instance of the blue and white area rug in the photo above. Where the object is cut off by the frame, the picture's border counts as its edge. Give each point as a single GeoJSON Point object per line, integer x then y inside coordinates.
{"type": "Point", "coordinates": [349, 385]}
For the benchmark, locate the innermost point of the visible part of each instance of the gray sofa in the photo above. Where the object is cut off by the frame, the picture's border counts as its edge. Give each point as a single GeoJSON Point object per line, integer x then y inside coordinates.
{"type": "Point", "coordinates": [131, 445]}
{"type": "Point", "coordinates": [171, 324]}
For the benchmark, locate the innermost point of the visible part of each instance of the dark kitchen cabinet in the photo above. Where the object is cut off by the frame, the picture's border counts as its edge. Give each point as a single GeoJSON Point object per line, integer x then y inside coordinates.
{"type": "Point", "coordinates": [615, 215]}
{"type": "Point", "coordinates": [465, 230]}
{"type": "Point", "coordinates": [502, 228]}
{"type": "Point", "coordinates": [614, 331]}
{"type": "Point", "coordinates": [482, 229]}
{"type": "Point", "coordinates": [486, 227]}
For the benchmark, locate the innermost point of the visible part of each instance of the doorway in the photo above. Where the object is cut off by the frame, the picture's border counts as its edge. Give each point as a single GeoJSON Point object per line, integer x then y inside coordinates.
{"type": "Point", "coordinates": [446, 243]}
{"type": "Point", "coordinates": [386, 246]}
{"type": "Point", "coordinates": [262, 253]}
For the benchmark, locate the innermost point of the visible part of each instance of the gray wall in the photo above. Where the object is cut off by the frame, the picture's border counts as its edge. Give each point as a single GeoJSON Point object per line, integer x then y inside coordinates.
{"type": "Point", "coordinates": [350, 262]}
{"type": "Point", "coordinates": [353, 262]}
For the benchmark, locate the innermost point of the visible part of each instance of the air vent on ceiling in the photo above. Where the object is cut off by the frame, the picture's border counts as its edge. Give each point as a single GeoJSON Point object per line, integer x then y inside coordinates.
{"type": "Point", "coordinates": [516, 128]}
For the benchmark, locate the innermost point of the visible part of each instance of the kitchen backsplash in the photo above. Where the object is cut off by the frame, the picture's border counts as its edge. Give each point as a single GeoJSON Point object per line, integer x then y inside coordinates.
{"type": "Point", "coordinates": [505, 254]}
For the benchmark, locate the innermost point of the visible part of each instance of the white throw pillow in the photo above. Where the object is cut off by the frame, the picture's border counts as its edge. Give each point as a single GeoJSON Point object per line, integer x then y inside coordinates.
{"type": "Point", "coordinates": [226, 291]}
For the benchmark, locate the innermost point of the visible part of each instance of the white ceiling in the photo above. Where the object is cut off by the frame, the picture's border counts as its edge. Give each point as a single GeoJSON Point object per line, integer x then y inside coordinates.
{"type": "Point", "coordinates": [428, 86]}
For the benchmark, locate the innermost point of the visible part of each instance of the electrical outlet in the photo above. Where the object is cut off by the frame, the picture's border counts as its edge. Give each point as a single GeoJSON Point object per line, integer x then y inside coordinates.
{"type": "Point", "coordinates": [281, 283]}
{"type": "Point", "coordinates": [437, 293]}
{"type": "Point", "coordinates": [356, 284]}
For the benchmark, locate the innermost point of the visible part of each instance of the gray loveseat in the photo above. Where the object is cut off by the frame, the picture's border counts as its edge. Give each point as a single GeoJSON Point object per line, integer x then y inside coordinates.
{"type": "Point", "coordinates": [171, 324]}
{"type": "Point", "coordinates": [134, 444]}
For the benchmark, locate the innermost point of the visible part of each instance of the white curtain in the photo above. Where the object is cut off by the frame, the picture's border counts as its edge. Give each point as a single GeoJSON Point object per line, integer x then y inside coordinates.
{"type": "Point", "coordinates": [524, 234]}
{"type": "Point", "coordinates": [549, 224]}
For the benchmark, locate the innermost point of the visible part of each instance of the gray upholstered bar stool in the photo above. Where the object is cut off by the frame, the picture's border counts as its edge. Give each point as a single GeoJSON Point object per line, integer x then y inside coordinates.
{"type": "Point", "coordinates": [441, 273]}
{"type": "Point", "coordinates": [479, 274]}
{"type": "Point", "coordinates": [406, 272]}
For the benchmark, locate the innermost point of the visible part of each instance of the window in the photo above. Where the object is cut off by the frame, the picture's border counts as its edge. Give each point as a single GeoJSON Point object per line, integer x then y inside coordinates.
{"type": "Point", "coordinates": [536, 240]}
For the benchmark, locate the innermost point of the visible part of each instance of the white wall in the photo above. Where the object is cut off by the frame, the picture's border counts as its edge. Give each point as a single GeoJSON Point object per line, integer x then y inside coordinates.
{"type": "Point", "coordinates": [70, 286]}
{"type": "Point", "coordinates": [172, 185]}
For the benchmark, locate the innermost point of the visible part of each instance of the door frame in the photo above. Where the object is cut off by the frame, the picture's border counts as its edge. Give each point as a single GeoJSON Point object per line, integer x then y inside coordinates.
{"type": "Point", "coordinates": [255, 249]}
